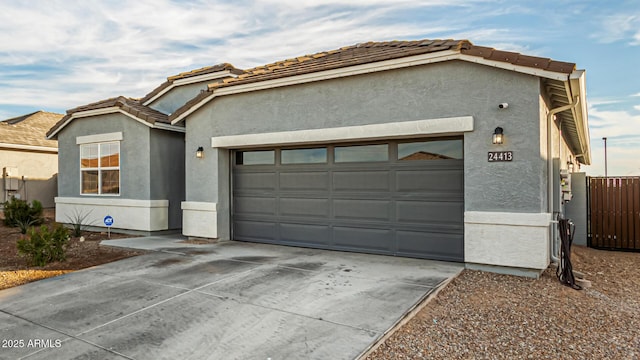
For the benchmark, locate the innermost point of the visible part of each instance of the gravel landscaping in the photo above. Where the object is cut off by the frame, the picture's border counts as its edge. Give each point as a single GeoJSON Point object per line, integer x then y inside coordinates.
{"type": "Point", "coordinates": [489, 316]}
{"type": "Point", "coordinates": [81, 253]}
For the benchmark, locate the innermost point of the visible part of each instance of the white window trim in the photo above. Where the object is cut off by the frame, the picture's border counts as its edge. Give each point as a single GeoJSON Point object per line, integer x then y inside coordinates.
{"type": "Point", "coordinates": [97, 138]}
{"type": "Point", "coordinates": [99, 169]}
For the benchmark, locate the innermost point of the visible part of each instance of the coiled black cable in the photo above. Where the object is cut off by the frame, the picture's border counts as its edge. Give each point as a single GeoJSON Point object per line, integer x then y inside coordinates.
{"type": "Point", "coordinates": [564, 272]}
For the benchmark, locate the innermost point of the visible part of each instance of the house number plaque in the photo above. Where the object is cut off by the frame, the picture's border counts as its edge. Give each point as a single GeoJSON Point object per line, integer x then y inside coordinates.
{"type": "Point", "coordinates": [495, 156]}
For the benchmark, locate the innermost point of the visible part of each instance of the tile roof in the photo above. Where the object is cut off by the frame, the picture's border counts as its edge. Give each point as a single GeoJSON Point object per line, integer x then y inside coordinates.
{"type": "Point", "coordinates": [29, 129]}
{"type": "Point", "coordinates": [372, 52]}
{"type": "Point", "coordinates": [189, 74]}
{"type": "Point", "coordinates": [380, 51]}
{"type": "Point", "coordinates": [128, 105]}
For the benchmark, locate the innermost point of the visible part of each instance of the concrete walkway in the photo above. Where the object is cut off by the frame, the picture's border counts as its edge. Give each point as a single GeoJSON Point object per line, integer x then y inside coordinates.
{"type": "Point", "coordinates": [231, 300]}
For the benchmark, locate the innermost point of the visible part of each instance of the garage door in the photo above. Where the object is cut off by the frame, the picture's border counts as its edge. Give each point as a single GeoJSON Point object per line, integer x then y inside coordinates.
{"type": "Point", "coordinates": [395, 198]}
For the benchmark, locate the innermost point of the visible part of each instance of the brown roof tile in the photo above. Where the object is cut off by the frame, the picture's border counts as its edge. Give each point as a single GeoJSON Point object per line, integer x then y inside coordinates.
{"type": "Point", "coordinates": [380, 51]}
{"type": "Point", "coordinates": [520, 59]}
{"type": "Point", "coordinates": [128, 105]}
{"type": "Point", "coordinates": [371, 52]}
{"type": "Point", "coordinates": [346, 56]}
{"type": "Point", "coordinates": [29, 129]}
{"type": "Point", "coordinates": [206, 70]}
{"type": "Point", "coordinates": [188, 74]}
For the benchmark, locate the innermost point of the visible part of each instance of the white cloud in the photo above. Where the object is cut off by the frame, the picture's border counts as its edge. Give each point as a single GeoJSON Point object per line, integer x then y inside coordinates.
{"type": "Point", "coordinates": [622, 130]}
{"type": "Point", "coordinates": [595, 102]}
{"type": "Point", "coordinates": [621, 161]}
{"type": "Point", "coordinates": [620, 27]}
{"type": "Point", "coordinates": [613, 122]}
{"type": "Point", "coordinates": [89, 51]}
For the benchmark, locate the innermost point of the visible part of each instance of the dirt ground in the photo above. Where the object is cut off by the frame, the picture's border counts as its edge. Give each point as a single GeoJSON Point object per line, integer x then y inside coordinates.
{"type": "Point", "coordinates": [15, 270]}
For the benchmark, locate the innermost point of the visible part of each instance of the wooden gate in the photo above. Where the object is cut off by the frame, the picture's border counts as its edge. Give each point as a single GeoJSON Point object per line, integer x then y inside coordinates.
{"type": "Point", "coordinates": [614, 213]}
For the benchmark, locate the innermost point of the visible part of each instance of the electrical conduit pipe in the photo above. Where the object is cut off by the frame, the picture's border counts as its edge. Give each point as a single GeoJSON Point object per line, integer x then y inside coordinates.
{"type": "Point", "coordinates": [552, 241]}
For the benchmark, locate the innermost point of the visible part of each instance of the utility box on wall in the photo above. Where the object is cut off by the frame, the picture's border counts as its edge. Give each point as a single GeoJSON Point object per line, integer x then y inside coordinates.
{"type": "Point", "coordinates": [10, 177]}
{"type": "Point", "coordinates": [576, 210]}
{"type": "Point", "coordinates": [565, 185]}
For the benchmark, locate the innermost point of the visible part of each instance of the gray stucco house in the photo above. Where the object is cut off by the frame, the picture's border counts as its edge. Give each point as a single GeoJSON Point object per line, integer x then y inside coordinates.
{"type": "Point", "coordinates": [122, 157]}
{"type": "Point", "coordinates": [433, 149]}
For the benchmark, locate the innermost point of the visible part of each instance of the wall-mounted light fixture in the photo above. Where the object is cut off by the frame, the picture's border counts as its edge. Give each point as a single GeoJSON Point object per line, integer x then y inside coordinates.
{"type": "Point", "coordinates": [200, 153]}
{"type": "Point", "coordinates": [498, 136]}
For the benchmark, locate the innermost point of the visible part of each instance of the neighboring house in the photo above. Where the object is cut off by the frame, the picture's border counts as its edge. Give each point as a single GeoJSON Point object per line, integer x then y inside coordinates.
{"type": "Point", "coordinates": [122, 157]}
{"type": "Point", "coordinates": [433, 149]}
{"type": "Point", "coordinates": [29, 161]}
{"type": "Point", "coordinates": [326, 150]}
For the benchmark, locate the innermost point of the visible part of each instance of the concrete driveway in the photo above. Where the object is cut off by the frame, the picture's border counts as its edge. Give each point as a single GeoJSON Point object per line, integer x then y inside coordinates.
{"type": "Point", "coordinates": [230, 300]}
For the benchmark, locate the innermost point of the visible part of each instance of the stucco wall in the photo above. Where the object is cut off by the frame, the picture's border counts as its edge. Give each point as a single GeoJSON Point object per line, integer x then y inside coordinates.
{"type": "Point", "coordinates": [167, 171]}
{"type": "Point", "coordinates": [134, 155]}
{"type": "Point", "coordinates": [133, 209]}
{"type": "Point", "coordinates": [38, 168]}
{"type": "Point", "coordinates": [177, 97]}
{"type": "Point", "coordinates": [441, 90]}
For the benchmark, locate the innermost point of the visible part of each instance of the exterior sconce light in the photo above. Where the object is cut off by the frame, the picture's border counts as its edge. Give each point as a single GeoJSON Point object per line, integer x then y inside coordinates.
{"type": "Point", "coordinates": [200, 153]}
{"type": "Point", "coordinates": [570, 166]}
{"type": "Point", "coordinates": [498, 136]}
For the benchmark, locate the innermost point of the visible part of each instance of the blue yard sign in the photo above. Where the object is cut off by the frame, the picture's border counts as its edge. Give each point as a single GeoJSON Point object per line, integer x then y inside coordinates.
{"type": "Point", "coordinates": [108, 220]}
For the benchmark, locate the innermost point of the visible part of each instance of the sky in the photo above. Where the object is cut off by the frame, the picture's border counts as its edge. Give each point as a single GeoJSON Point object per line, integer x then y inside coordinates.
{"type": "Point", "coordinates": [59, 54]}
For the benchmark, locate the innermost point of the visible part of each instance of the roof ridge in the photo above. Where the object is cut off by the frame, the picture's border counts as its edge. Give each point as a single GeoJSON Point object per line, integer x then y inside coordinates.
{"type": "Point", "coordinates": [129, 105]}
{"type": "Point", "coordinates": [17, 119]}
{"type": "Point", "coordinates": [195, 72]}
{"type": "Point", "coordinates": [225, 66]}
{"type": "Point", "coordinates": [282, 64]}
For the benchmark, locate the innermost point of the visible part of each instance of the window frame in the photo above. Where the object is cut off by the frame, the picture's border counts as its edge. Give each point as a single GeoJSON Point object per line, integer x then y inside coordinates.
{"type": "Point", "coordinates": [387, 147]}
{"type": "Point", "coordinates": [100, 168]}
{"type": "Point", "coordinates": [239, 155]}
{"type": "Point", "coordinates": [427, 140]}
{"type": "Point", "coordinates": [326, 160]}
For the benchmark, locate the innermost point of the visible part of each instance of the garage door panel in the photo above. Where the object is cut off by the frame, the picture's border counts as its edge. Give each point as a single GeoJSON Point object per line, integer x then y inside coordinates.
{"type": "Point", "coordinates": [421, 212]}
{"type": "Point", "coordinates": [254, 230]}
{"type": "Point", "coordinates": [440, 246]}
{"type": "Point", "coordinates": [305, 234]}
{"type": "Point", "coordinates": [296, 181]}
{"type": "Point", "coordinates": [395, 207]}
{"type": "Point", "coordinates": [363, 239]}
{"type": "Point", "coordinates": [254, 205]}
{"type": "Point", "coordinates": [437, 181]}
{"type": "Point", "coordinates": [361, 181]}
{"type": "Point", "coordinates": [318, 208]}
{"type": "Point", "coordinates": [358, 209]}
{"type": "Point", "coordinates": [255, 181]}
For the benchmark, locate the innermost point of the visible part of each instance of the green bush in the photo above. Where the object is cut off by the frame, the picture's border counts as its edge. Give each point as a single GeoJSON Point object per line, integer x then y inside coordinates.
{"type": "Point", "coordinates": [44, 245]}
{"type": "Point", "coordinates": [19, 213]}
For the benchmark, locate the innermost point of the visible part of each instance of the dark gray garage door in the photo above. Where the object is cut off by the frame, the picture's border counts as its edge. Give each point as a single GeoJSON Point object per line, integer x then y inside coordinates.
{"type": "Point", "coordinates": [395, 198]}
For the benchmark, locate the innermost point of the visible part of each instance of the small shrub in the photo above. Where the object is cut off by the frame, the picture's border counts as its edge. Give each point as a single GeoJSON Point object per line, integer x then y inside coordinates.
{"type": "Point", "coordinates": [25, 224]}
{"type": "Point", "coordinates": [78, 221]}
{"type": "Point", "coordinates": [44, 245]}
{"type": "Point", "coordinates": [18, 212]}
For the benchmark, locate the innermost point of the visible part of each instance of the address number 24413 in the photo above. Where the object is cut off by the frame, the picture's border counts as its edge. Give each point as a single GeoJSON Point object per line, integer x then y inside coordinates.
{"type": "Point", "coordinates": [500, 156]}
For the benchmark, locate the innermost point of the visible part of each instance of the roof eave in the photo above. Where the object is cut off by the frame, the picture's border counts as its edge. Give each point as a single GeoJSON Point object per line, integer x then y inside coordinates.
{"type": "Point", "coordinates": [577, 85]}
{"type": "Point", "coordinates": [37, 148]}
{"type": "Point", "coordinates": [187, 81]}
{"type": "Point", "coordinates": [113, 110]}
{"type": "Point", "coordinates": [362, 69]}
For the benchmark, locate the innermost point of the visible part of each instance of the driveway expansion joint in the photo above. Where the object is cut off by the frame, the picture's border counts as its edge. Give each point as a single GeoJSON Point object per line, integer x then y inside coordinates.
{"type": "Point", "coordinates": [67, 339]}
